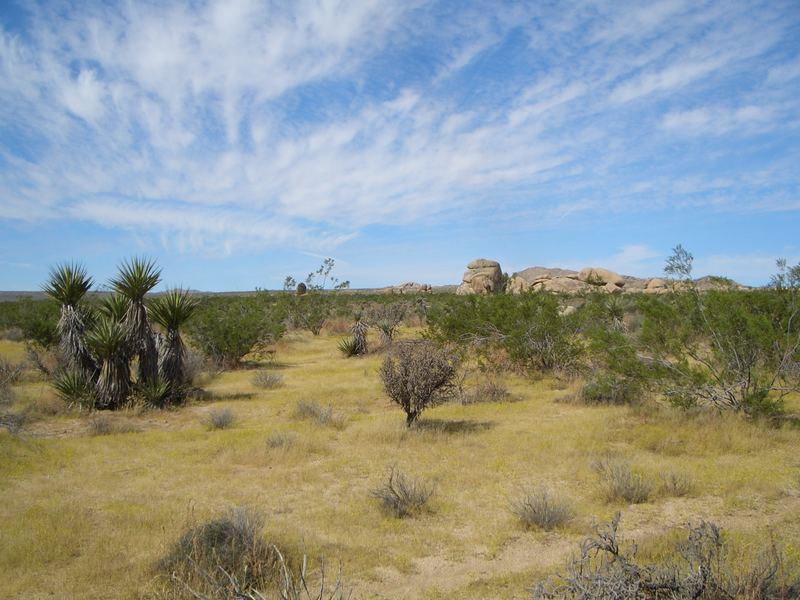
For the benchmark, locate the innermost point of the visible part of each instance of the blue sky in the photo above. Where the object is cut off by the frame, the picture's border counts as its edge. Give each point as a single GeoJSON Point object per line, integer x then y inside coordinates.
{"type": "Point", "coordinates": [240, 141]}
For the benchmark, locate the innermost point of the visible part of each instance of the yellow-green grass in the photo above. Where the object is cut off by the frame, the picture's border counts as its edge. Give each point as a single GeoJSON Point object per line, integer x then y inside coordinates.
{"type": "Point", "coordinates": [88, 516]}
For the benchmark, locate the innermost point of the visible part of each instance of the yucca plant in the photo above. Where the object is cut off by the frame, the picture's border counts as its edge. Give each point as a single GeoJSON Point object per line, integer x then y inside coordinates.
{"type": "Point", "coordinates": [359, 332]}
{"type": "Point", "coordinates": [171, 311]}
{"type": "Point", "coordinates": [68, 284]}
{"type": "Point", "coordinates": [108, 340]}
{"type": "Point", "coordinates": [75, 388]}
{"type": "Point", "coordinates": [115, 307]}
{"type": "Point", "coordinates": [135, 279]}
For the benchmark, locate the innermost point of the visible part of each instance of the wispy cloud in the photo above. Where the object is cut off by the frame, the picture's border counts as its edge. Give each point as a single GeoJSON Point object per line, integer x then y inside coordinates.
{"type": "Point", "coordinates": [232, 126]}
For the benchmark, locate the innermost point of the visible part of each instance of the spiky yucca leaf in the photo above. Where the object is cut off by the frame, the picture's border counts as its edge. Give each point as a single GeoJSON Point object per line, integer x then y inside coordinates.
{"type": "Point", "coordinates": [115, 307]}
{"type": "Point", "coordinates": [154, 393]}
{"type": "Point", "coordinates": [68, 284]}
{"type": "Point", "coordinates": [171, 311]}
{"type": "Point", "coordinates": [74, 388]}
{"type": "Point", "coordinates": [108, 340]}
{"type": "Point", "coordinates": [173, 308]}
{"type": "Point", "coordinates": [135, 279]}
{"type": "Point", "coordinates": [348, 347]}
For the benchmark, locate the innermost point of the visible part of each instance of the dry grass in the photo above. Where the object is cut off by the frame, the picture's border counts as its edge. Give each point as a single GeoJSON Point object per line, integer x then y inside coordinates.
{"type": "Point", "coordinates": [88, 516]}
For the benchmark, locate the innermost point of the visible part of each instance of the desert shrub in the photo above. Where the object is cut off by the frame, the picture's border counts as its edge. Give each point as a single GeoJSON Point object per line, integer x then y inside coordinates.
{"type": "Point", "coordinates": [676, 484]}
{"type": "Point", "coordinates": [418, 375]}
{"type": "Point", "coordinates": [489, 390]}
{"type": "Point", "coordinates": [221, 557]}
{"type": "Point", "coordinates": [541, 508]}
{"type": "Point", "coordinates": [13, 334]}
{"type": "Point", "coordinates": [605, 387]}
{"type": "Point", "coordinates": [314, 411]}
{"type": "Point", "coordinates": [267, 380]}
{"type": "Point", "coordinates": [220, 418]}
{"type": "Point", "coordinates": [529, 328]}
{"type": "Point", "coordinates": [310, 311]}
{"type": "Point", "coordinates": [102, 424]}
{"type": "Point", "coordinates": [280, 440]}
{"type": "Point", "coordinates": [9, 375]}
{"type": "Point", "coordinates": [621, 483]}
{"type": "Point", "coordinates": [75, 388]}
{"type": "Point", "coordinates": [386, 318]}
{"type": "Point", "coordinates": [607, 567]}
{"type": "Point", "coordinates": [226, 329]}
{"type": "Point", "coordinates": [727, 349]}
{"type": "Point", "coordinates": [401, 496]}
{"type": "Point", "coordinates": [36, 319]}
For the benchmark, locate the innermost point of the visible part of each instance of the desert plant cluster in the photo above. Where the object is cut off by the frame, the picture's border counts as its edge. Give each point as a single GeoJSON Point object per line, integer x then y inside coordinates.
{"type": "Point", "coordinates": [439, 449]}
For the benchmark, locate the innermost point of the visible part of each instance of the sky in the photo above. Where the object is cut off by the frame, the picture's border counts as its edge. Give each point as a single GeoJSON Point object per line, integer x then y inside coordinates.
{"type": "Point", "coordinates": [237, 142]}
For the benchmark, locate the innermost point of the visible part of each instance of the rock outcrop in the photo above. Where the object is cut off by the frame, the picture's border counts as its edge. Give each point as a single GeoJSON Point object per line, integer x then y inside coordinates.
{"type": "Point", "coordinates": [481, 277]}
{"type": "Point", "coordinates": [409, 287]}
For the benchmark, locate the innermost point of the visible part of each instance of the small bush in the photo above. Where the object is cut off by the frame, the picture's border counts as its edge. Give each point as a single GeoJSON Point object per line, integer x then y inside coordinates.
{"type": "Point", "coordinates": [222, 556]}
{"type": "Point", "coordinates": [610, 388]}
{"type": "Point", "coordinates": [540, 508]}
{"type": "Point", "coordinates": [267, 380]}
{"type": "Point", "coordinates": [676, 484]}
{"type": "Point", "coordinates": [418, 375]}
{"type": "Point", "coordinates": [621, 483]}
{"type": "Point", "coordinates": [700, 570]}
{"type": "Point", "coordinates": [101, 424]}
{"type": "Point", "coordinates": [401, 496]}
{"type": "Point", "coordinates": [220, 418]}
{"type": "Point", "coordinates": [280, 440]}
{"type": "Point", "coordinates": [13, 334]}
{"type": "Point", "coordinates": [313, 411]}
{"type": "Point", "coordinates": [486, 391]}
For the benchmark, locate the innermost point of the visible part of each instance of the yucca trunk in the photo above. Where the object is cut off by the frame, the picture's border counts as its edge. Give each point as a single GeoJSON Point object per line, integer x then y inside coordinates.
{"type": "Point", "coordinates": [142, 342]}
{"type": "Point", "coordinates": [72, 345]}
{"type": "Point", "coordinates": [114, 384]}
{"type": "Point", "coordinates": [359, 331]}
{"type": "Point", "coordinates": [173, 365]}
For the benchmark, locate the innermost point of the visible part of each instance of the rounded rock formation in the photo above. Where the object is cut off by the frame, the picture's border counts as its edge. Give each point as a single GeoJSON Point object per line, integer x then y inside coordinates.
{"type": "Point", "coordinates": [481, 277]}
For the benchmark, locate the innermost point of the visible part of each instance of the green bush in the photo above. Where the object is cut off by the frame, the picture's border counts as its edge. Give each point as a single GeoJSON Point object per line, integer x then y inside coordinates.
{"type": "Point", "coordinates": [225, 329]}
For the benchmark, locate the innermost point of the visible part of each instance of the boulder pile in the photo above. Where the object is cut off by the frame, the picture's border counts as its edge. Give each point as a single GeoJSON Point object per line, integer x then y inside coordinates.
{"type": "Point", "coordinates": [409, 287]}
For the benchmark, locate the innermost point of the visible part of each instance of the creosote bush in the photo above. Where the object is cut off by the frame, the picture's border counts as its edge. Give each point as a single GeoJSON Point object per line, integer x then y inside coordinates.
{"type": "Point", "coordinates": [541, 508]}
{"type": "Point", "coordinates": [401, 496]}
{"type": "Point", "coordinates": [699, 570]}
{"type": "Point", "coordinates": [267, 380]}
{"type": "Point", "coordinates": [621, 483]}
{"type": "Point", "coordinates": [418, 375]}
{"type": "Point", "coordinates": [220, 418]}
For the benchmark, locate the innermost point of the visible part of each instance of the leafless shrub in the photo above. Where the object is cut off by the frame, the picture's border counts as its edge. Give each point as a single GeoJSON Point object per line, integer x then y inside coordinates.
{"type": "Point", "coordinates": [676, 484]}
{"type": "Point", "coordinates": [541, 508]}
{"type": "Point", "coordinates": [280, 440]}
{"type": "Point", "coordinates": [401, 496]}
{"type": "Point", "coordinates": [195, 367]}
{"type": "Point", "coordinates": [12, 422]}
{"type": "Point", "coordinates": [621, 482]}
{"type": "Point", "coordinates": [606, 569]}
{"type": "Point", "coordinates": [313, 411]}
{"type": "Point", "coordinates": [9, 374]}
{"type": "Point", "coordinates": [418, 375]}
{"type": "Point", "coordinates": [220, 418]}
{"type": "Point", "coordinates": [267, 380]}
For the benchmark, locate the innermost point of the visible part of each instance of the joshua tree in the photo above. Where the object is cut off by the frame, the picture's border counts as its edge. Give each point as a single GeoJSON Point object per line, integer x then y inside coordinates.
{"type": "Point", "coordinates": [68, 283]}
{"type": "Point", "coordinates": [171, 311]}
{"type": "Point", "coordinates": [135, 279]}
{"type": "Point", "coordinates": [108, 340]}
